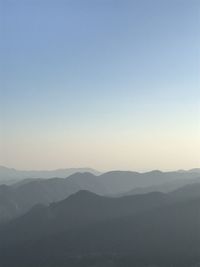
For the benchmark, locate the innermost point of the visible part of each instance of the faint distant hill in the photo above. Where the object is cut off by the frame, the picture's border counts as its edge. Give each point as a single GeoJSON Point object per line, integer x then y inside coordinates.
{"type": "Point", "coordinates": [11, 175]}
{"type": "Point", "coordinates": [124, 181]}
{"type": "Point", "coordinates": [164, 188]}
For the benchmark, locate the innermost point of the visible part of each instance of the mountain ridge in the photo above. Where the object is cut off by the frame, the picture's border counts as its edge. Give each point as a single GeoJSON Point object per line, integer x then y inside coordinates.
{"type": "Point", "coordinates": [146, 230]}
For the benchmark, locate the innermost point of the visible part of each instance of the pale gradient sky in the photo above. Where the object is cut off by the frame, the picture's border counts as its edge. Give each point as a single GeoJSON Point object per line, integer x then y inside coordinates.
{"type": "Point", "coordinates": [108, 84]}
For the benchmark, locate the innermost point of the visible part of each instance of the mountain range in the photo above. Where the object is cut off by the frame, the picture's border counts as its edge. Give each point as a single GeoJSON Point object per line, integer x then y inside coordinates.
{"type": "Point", "coordinates": [11, 175]}
{"type": "Point", "coordinates": [86, 229]}
{"type": "Point", "coordinates": [89, 219]}
{"type": "Point", "coordinates": [18, 198]}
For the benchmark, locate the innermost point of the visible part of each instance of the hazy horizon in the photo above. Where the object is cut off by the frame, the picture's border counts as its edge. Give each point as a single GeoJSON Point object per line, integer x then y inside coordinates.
{"type": "Point", "coordinates": [102, 170]}
{"type": "Point", "coordinates": [104, 84]}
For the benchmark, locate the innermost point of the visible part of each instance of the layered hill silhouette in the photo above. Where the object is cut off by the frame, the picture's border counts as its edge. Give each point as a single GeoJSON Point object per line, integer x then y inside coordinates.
{"type": "Point", "coordinates": [122, 181]}
{"type": "Point", "coordinates": [11, 175]}
{"type": "Point", "coordinates": [86, 229]}
{"type": "Point", "coordinates": [164, 188]}
{"type": "Point", "coordinates": [20, 197]}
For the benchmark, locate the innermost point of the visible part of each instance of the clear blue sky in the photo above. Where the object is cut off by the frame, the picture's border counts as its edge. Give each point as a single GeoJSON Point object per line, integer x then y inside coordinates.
{"type": "Point", "coordinates": [101, 83]}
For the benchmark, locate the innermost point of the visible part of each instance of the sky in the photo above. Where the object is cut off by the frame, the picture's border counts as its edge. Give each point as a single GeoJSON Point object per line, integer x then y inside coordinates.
{"type": "Point", "coordinates": [107, 84]}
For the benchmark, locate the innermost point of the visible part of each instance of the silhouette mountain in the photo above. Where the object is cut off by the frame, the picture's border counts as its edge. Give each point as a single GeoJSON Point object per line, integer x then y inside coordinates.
{"type": "Point", "coordinates": [164, 188]}
{"type": "Point", "coordinates": [18, 198]}
{"type": "Point", "coordinates": [122, 181]}
{"type": "Point", "coordinates": [79, 209]}
{"type": "Point", "coordinates": [11, 175]}
{"type": "Point", "coordinates": [87, 230]}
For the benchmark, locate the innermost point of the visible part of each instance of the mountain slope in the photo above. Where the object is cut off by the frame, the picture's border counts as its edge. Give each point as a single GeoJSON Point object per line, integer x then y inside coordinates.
{"type": "Point", "coordinates": [78, 210]}
{"type": "Point", "coordinates": [90, 230]}
{"type": "Point", "coordinates": [16, 200]}
{"type": "Point", "coordinates": [19, 198]}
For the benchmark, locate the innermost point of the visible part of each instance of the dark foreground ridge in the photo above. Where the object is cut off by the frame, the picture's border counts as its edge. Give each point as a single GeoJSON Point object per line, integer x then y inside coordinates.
{"type": "Point", "coordinates": [86, 229]}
